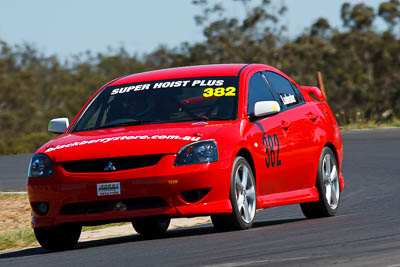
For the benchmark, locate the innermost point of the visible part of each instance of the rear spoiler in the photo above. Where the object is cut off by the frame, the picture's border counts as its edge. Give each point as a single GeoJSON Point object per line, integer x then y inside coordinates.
{"type": "Point", "coordinates": [315, 93]}
{"type": "Point", "coordinates": [312, 93]}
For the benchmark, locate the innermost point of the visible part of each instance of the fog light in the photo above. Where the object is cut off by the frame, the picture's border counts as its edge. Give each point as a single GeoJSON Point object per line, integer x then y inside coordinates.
{"type": "Point", "coordinates": [193, 196]}
{"type": "Point", "coordinates": [120, 206]}
{"type": "Point", "coordinates": [41, 208]}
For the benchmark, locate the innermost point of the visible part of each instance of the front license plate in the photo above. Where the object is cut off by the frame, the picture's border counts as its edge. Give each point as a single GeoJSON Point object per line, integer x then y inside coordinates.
{"type": "Point", "coordinates": [108, 189]}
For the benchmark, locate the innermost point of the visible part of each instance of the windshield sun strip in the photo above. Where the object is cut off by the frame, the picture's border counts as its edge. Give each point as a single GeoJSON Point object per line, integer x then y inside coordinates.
{"type": "Point", "coordinates": [234, 81]}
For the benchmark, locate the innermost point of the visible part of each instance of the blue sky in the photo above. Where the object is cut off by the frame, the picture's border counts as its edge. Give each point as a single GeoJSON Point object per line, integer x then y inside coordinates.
{"type": "Point", "coordinates": [66, 28]}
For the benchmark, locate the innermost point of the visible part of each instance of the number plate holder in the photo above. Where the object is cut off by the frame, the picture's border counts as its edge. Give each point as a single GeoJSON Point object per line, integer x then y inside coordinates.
{"type": "Point", "coordinates": [107, 189]}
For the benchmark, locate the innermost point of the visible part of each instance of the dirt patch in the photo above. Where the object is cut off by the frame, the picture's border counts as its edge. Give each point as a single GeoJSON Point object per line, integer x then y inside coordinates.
{"type": "Point", "coordinates": [15, 212]}
{"type": "Point", "coordinates": [127, 229]}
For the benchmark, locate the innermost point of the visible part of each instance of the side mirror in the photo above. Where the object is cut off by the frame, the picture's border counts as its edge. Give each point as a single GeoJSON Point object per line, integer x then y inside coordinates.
{"type": "Point", "coordinates": [264, 108]}
{"type": "Point", "coordinates": [58, 125]}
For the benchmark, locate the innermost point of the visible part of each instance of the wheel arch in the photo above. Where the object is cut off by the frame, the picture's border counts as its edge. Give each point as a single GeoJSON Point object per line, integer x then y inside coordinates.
{"type": "Point", "coordinates": [335, 153]}
{"type": "Point", "coordinates": [333, 148]}
{"type": "Point", "coordinates": [245, 153]}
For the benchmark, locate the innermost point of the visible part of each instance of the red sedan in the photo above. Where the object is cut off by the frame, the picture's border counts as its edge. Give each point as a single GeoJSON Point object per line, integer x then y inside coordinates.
{"type": "Point", "coordinates": [219, 140]}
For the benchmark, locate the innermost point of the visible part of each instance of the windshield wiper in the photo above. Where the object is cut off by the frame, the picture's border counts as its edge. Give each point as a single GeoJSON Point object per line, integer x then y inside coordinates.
{"type": "Point", "coordinates": [122, 124]}
{"type": "Point", "coordinates": [202, 118]}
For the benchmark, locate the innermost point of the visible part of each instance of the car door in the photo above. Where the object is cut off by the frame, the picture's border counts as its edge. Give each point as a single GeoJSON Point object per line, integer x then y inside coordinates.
{"type": "Point", "coordinates": [300, 130]}
{"type": "Point", "coordinates": [269, 140]}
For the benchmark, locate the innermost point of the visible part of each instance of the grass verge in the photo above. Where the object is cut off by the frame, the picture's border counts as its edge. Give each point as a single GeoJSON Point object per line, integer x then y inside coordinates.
{"type": "Point", "coordinates": [24, 237]}
{"type": "Point", "coordinates": [18, 238]}
{"type": "Point", "coordinates": [370, 125]}
{"type": "Point", "coordinates": [15, 216]}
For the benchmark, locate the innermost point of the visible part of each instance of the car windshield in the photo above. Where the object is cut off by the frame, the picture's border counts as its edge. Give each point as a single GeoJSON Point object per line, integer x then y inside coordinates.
{"type": "Point", "coordinates": [166, 101]}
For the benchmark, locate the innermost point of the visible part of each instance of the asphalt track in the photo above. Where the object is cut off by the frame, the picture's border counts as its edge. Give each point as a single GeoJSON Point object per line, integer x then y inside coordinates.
{"type": "Point", "coordinates": [13, 172]}
{"type": "Point", "coordinates": [366, 231]}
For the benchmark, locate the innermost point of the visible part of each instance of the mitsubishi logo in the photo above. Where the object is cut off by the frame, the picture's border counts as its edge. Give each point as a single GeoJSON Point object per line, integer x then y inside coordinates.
{"type": "Point", "coordinates": [110, 167]}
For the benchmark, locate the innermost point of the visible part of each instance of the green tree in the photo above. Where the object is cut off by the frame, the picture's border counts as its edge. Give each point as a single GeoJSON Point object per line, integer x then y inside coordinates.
{"type": "Point", "coordinates": [358, 17]}
{"type": "Point", "coordinates": [390, 12]}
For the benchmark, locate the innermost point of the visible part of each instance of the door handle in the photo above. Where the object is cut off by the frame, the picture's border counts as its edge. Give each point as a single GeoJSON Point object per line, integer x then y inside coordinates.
{"type": "Point", "coordinates": [285, 125]}
{"type": "Point", "coordinates": [312, 116]}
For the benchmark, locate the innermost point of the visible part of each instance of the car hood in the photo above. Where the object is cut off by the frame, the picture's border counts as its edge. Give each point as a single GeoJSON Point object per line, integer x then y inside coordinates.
{"type": "Point", "coordinates": [128, 141]}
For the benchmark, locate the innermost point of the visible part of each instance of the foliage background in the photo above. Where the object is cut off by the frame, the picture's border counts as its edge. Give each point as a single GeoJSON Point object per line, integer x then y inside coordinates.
{"type": "Point", "coordinates": [361, 66]}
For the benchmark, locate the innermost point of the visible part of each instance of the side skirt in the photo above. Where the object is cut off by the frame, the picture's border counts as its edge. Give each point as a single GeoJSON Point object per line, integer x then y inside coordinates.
{"type": "Point", "coordinates": [287, 198]}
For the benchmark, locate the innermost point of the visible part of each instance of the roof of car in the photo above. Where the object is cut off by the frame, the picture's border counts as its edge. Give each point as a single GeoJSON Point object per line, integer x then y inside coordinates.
{"type": "Point", "coordinates": [182, 72]}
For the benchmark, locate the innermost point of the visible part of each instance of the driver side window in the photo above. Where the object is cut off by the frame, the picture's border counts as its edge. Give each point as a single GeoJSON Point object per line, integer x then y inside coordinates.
{"type": "Point", "coordinates": [283, 90]}
{"type": "Point", "coordinates": [258, 91]}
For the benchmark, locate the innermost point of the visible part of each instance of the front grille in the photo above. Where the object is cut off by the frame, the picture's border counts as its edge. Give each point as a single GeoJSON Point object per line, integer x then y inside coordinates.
{"type": "Point", "coordinates": [113, 205]}
{"type": "Point", "coordinates": [117, 164]}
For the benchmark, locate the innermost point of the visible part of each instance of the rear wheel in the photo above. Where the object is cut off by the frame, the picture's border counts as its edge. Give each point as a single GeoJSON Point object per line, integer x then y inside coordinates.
{"type": "Point", "coordinates": [242, 197]}
{"type": "Point", "coordinates": [61, 237]}
{"type": "Point", "coordinates": [328, 186]}
{"type": "Point", "coordinates": [151, 226]}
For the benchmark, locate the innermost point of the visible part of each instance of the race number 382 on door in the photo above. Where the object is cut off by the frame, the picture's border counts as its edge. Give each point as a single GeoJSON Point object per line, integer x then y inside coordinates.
{"type": "Point", "coordinates": [272, 150]}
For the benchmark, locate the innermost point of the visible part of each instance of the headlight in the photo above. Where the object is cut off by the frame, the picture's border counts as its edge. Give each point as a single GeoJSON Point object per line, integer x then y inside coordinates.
{"type": "Point", "coordinates": [199, 152]}
{"type": "Point", "coordinates": [40, 166]}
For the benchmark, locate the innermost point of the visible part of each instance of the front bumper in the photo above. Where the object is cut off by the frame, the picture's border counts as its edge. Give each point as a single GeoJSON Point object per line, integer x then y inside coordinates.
{"type": "Point", "coordinates": [163, 181]}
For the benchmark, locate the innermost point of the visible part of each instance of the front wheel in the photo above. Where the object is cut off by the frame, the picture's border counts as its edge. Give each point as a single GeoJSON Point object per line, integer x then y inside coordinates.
{"type": "Point", "coordinates": [61, 237]}
{"type": "Point", "coordinates": [151, 226]}
{"type": "Point", "coordinates": [243, 199]}
{"type": "Point", "coordinates": [328, 186]}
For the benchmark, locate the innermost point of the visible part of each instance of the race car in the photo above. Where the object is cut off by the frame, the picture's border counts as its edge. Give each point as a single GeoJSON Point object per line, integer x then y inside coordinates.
{"type": "Point", "coordinates": [212, 140]}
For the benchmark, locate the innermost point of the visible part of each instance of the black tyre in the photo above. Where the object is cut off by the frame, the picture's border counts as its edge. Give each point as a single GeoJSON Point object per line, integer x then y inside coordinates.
{"type": "Point", "coordinates": [243, 199]}
{"type": "Point", "coordinates": [58, 238]}
{"type": "Point", "coordinates": [151, 226]}
{"type": "Point", "coordinates": [328, 186]}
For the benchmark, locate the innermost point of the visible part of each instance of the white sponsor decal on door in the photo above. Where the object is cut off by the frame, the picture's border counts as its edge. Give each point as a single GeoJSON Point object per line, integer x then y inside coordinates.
{"type": "Point", "coordinates": [288, 99]}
